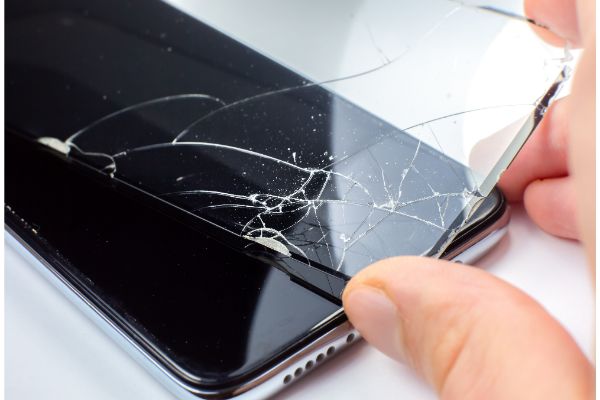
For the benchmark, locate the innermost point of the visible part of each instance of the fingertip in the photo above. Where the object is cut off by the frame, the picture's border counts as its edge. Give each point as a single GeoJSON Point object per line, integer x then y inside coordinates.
{"type": "Point", "coordinates": [376, 317]}
{"type": "Point", "coordinates": [510, 187]}
{"type": "Point", "coordinates": [558, 20]}
{"type": "Point", "coordinates": [550, 203]}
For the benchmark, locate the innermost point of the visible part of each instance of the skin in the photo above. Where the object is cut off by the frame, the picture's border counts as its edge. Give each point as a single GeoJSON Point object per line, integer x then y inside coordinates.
{"type": "Point", "coordinates": [468, 333]}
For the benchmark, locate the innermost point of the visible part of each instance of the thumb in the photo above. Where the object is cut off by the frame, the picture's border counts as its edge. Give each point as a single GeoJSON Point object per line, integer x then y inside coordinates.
{"type": "Point", "coordinates": [470, 334]}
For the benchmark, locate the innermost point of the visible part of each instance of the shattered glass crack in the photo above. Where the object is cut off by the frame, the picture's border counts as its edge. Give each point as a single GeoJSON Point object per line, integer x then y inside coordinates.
{"type": "Point", "coordinates": [286, 219]}
{"type": "Point", "coordinates": [305, 172]}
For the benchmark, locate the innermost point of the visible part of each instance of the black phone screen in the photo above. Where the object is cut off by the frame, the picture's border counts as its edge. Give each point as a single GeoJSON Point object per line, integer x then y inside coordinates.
{"type": "Point", "coordinates": [167, 104]}
{"type": "Point", "coordinates": [204, 309]}
{"type": "Point", "coordinates": [186, 124]}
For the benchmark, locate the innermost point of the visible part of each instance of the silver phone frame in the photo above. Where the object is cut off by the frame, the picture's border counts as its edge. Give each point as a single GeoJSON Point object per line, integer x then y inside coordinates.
{"type": "Point", "coordinates": [270, 381]}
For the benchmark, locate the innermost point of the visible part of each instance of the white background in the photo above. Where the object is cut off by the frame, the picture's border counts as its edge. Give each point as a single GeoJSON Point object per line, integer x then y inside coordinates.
{"type": "Point", "coordinates": [54, 352]}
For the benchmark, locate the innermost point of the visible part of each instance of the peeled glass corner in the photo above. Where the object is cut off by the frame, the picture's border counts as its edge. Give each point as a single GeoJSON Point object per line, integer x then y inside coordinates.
{"type": "Point", "coordinates": [405, 117]}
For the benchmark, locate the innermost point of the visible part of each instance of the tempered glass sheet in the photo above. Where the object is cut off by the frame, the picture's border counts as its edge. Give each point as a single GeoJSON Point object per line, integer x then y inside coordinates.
{"type": "Point", "coordinates": [401, 119]}
{"type": "Point", "coordinates": [464, 77]}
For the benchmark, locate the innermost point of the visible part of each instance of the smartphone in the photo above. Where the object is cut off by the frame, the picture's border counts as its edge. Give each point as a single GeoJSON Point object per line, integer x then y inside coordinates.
{"type": "Point", "coordinates": [177, 248]}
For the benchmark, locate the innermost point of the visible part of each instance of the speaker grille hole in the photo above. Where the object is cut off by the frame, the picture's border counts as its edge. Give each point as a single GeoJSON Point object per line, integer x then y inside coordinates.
{"type": "Point", "coordinates": [287, 379]}
{"type": "Point", "coordinates": [330, 350]}
{"type": "Point", "coordinates": [350, 338]}
{"type": "Point", "coordinates": [298, 372]}
{"type": "Point", "coordinates": [309, 365]}
{"type": "Point", "coordinates": [320, 357]}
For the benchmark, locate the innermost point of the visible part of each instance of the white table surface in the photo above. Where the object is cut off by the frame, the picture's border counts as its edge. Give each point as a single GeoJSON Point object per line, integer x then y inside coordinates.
{"type": "Point", "coordinates": [54, 352]}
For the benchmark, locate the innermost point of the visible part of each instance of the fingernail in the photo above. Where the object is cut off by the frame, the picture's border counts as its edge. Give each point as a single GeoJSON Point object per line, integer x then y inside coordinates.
{"type": "Point", "coordinates": [376, 318]}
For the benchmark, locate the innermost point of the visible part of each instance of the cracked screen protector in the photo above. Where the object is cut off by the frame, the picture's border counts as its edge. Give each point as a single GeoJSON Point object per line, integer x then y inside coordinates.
{"type": "Point", "coordinates": [321, 135]}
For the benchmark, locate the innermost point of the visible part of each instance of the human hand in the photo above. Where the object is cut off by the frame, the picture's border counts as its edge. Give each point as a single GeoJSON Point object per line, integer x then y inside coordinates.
{"type": "Point", "coordinates": [554, 173]}
{"type": "Point", "coordinates": [471, 335]}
